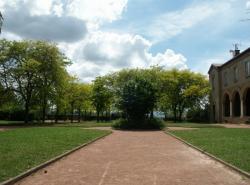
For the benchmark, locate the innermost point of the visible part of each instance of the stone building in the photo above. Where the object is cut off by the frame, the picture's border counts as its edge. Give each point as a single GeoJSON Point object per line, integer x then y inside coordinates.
{"type": "Point", "coordinates": [230, 83]}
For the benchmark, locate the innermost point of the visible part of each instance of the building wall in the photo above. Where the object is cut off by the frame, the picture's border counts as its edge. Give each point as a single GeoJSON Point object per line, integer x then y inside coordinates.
{"type": "Point", "coordinates": [226, 84]}
{"type": "Point", "coordinates": [215, 81]}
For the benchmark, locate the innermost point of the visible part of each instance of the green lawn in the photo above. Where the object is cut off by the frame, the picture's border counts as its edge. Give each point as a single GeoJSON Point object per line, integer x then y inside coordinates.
{"type": "Point", "coordinates": [66, 124]}
{"type": "Point", "coordinates": [22, 149]}
{"type": "Point", "coordinates": [192, 125]}
{"type": "Point", "coordinates": [230, 145]}
{"type": "Point", "coordinates": [3, 122]}
{"type": "Point", "coordinates": [87, 124]}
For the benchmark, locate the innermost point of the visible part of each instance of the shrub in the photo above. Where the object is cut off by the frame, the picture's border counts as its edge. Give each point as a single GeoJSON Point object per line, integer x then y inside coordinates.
{"type": "Point", "coordinates": [149, 124]}
{"type": "Point", "coordinates": [248, 121]}
{"type": "Point", "coordinates": [137, 100]}
{"type": "Point", "coordinates": [198, 115]}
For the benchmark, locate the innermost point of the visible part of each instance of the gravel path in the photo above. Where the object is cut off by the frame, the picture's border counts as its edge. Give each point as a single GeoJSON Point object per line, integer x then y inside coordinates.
{"type": "Point", "coordinates": [181, 128]}
{"type": "Point", "coordinates": [235, 125]}
{"type": "Point", "coordinates": [136, 158]}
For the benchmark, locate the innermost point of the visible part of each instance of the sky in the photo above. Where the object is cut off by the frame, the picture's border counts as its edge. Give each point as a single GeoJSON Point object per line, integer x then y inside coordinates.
{"type": "Point", "coordinates": [103, 36]}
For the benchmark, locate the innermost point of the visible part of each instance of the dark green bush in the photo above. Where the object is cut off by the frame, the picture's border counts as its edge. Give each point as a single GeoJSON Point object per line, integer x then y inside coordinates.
{"type": "Point", "coordinates": [198, 115]}
{"type": "Point", "coordinates": [248, 121]}
{"type": "Point", "coordinates": [136, 100]}
{"type": "Point", "coordinates": [148, 124]}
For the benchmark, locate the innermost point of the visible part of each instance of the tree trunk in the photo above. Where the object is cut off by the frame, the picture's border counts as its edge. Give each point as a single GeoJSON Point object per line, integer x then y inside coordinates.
{"type": "Point", "coordinates": [72, 112]}
{"type": "Point", "coordinates": [175, 114]}
{"type": "Point", "coordinates": [165, 116]}
{"type": "Point", "coordinates": [44, 110]}
{"type": "Point", "coordinates": [98, 116]}
{"type": "Point", "coordinates": [79, 115]}
{"type": "Point", "coordinates": [181, 109]}
{"type": "Point", "coordinates": [180, 116]}
{"type": "Point", "coordinates": [85, 115]}
{"type": "Point", "coordinates": [107, 116]}
{"type": "Point", "coordinates": [27, 110]}
{"type": "Point", "coordinates": [65, 117]}
{"type": "Point", "coordinates": [56, 115]}
{"type": "Point", "coordinates": [152, 114]}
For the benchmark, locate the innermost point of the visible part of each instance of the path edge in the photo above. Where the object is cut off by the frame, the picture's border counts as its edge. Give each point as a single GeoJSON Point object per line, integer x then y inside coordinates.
{"type": "Point", "coordinates": [47, 163]}
{"type": "Point", "coordinates": [232, 167]}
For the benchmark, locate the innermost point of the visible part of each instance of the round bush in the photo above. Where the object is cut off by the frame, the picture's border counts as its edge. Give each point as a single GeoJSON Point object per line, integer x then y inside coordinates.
{"type": "Point", "coordinates": [148, 124]}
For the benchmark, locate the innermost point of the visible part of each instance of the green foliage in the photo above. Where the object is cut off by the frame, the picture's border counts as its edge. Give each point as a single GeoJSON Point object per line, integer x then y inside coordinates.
{"type": "Point", "coordinates": [198, 114]}
{"type": "Point", "coordinates": [34, 79]}
{"type": "Point", "coordinates": [137, 99]}
{"type": "Point", "coordinates": [182, 90]}
{"type": "Point", "coordinates": [78, 96]}
{"type": "Point", "coordinates": [149, 124]}
{"type": "Point", "coordinates": [101, 95]}
{"type": "Point", "coordinates": [31, 70]}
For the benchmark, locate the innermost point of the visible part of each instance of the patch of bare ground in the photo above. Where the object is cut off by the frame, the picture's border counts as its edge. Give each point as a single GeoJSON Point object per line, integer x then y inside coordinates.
{"type": "Point", "coordinates": [181, 128]}
{"type": "Point", "coordinates": [235, 125]}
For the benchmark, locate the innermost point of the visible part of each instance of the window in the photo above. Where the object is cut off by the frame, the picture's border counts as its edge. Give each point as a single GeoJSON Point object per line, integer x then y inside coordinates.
{"type": "Point", "coordinates": [225, 79]}
{"type": "Point", "coordinates": [247, 68]}
{"type": "Point", "coordinates": [236, 74]}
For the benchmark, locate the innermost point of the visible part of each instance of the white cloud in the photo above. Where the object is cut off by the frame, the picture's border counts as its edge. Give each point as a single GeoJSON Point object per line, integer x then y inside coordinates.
{"type": "Point", "coordinates": [97, 12]}
{"type": "Point", "coordinates": [104, 52]}
{"type": "Point", "coordinates": [58, 20]}
{"type": "Point", "coordinates": [28, 20]}
{"type": "Point", "coordinates": [94, 52]}
{"type": "Point", "coordinates": [171, 24]}
{"type": "Point", "coordinates": [169, 60]}
{"type": "Point", "coordinates": [248, 4]}
{"type": "Point", "coordinates": [117, 49]}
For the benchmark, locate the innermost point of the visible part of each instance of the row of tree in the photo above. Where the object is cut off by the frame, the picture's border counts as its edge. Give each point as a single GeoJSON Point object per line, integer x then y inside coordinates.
{"type": "Point", "coordinates": [173, 92]}
{"type": "Point", "coordinates": [33, 78]}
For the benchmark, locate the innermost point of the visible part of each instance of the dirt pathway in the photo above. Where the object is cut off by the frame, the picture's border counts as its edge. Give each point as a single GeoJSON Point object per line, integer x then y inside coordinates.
{"type": "Point", "coordinates": [136, 158]}
{"type": "Point", "coordinates": [235, 125]}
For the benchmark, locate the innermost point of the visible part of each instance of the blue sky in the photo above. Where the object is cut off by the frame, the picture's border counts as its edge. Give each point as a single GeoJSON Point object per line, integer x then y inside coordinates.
{"type": "Point", "coordinates": [205, 41]}
{"type": "Point", "coordinates": [101, 36]}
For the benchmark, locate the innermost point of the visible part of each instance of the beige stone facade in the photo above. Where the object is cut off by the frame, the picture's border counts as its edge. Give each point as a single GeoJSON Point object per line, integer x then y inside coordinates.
{"type": "Point", "coordinates": [230, 83]}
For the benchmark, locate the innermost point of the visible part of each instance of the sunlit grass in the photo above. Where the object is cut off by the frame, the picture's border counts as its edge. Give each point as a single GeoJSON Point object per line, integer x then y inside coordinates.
{"type": "Point", "coordinates": [22, 149]}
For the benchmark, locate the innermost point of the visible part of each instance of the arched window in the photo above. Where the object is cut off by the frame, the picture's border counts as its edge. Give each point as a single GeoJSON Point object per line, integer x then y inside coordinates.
{"type": "Point", "coordinates": [236, 105]}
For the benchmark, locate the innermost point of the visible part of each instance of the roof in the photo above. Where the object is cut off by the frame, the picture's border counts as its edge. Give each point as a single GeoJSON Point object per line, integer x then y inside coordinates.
{"type": "Point", "coordinates": [229, 61]}
{"type": "Point", "coordinates": [214, 66]}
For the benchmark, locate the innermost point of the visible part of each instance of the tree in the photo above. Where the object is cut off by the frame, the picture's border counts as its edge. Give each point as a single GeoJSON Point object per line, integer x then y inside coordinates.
{"type": "Point", "coordinates": [182, 90]}
{"type": "Point", "coordinates": [72, 95]}
{"type": "Point", "coordinates": [137, 99]}
{"type": "Point", "coordinates": [101, 96]}
{"type": "Point", "coordinates": [83, 98]}
{"type": "Point", "coordinates": [32, 70]}
{"type": "Point", "coordinates": [60, 100]}
{"type": "Point", "coordinates": [51, 71]}
{"type": "Point", "coordinates": [8, 100]}
{"type": "Point", "coordinates": [19, 71]}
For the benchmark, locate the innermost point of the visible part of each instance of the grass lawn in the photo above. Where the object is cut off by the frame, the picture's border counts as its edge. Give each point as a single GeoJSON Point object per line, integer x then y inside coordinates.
{"type": "Point", "coordinates": [192, 125]}
{"type": "Point", "coordinates": [22, 149]}
{"type": "Point", "coordinates": [229, 144]}
{"type": "Point", "coordinates": [3, 122]}
{"type": "Point", "coordinates": [87, 124]}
